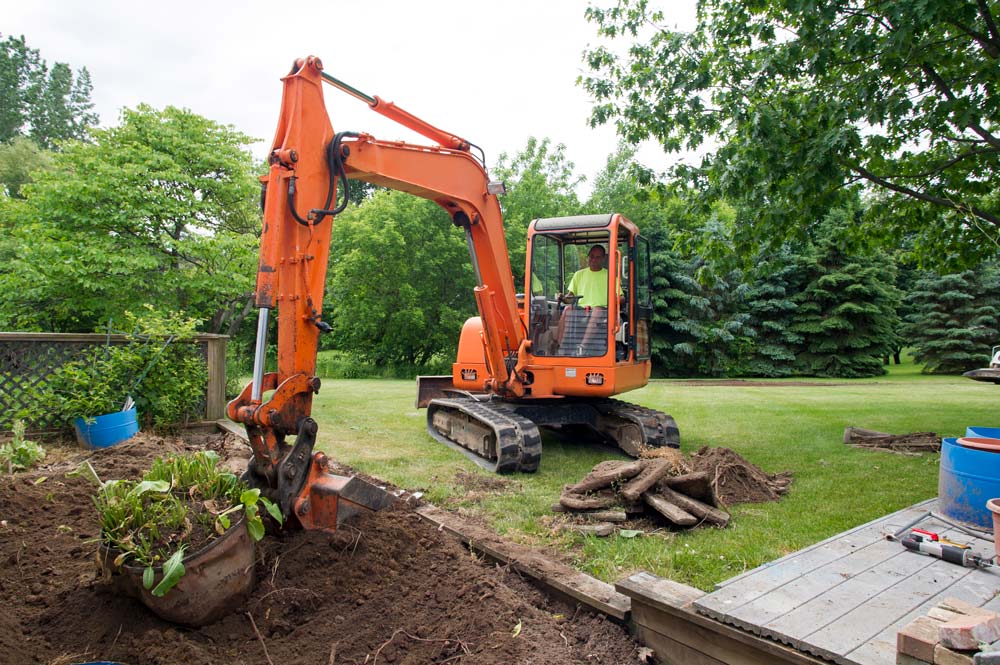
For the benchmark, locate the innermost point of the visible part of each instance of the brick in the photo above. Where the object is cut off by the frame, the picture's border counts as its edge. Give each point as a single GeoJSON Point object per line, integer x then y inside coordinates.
{"type": "Point", "coordinates": [987, 658]}
{"type": "Point", "coordinates": [967, 632]}
{"type": "Point", "coordinates": [945, 656]}
{"type": "Point", "coordinates": [918, 638]}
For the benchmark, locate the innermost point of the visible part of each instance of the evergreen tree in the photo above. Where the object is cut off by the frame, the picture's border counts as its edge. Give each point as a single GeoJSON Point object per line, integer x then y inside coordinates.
{"type": "Point", "coordinates": [954, 317]}
{"type": "Point", "coordinates": [726, 336]}
{"type": "Point", "coordinates": [678, 304]}
{"type": "Point", "coordinates": [847, 311]}
{"type": "Point", "coordinates": [771, 307]}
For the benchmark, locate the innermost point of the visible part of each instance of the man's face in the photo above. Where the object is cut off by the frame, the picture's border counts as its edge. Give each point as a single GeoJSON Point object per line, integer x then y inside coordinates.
{"type": "Point", "coordinates": [595, 259]}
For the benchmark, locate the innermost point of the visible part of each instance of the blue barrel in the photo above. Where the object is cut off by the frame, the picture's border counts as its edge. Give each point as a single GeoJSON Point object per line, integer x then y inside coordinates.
{"type": "Point", "coordinates": [968, 479]}
{"type": "Point", "coordinates": [983, 432]}
{"type": "Point", "coordinates": [107, 430]}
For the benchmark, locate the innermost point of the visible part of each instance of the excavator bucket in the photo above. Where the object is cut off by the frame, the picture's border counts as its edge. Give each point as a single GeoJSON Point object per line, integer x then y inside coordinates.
{"type": "Point", "coordinates": [327, 500]}
{"type": "Point", "coordinates": [432, 387]}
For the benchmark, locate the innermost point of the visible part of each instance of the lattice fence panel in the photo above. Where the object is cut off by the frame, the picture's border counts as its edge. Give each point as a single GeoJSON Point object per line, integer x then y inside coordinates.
{"type": "Point", "coordinates": [27, 360]}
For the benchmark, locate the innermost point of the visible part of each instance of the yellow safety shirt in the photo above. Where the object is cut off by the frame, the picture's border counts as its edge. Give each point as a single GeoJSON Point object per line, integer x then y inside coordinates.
{"type": "Point", "coordinates": [591, 286]}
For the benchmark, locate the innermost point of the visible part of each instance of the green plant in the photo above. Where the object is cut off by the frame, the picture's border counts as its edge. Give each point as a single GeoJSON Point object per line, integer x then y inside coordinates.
{"type": "Point", "coordinates": [182, 503]}
{"type": "Point", "coordinates": [159, 368]}
{"type": "Point", "coordinates": [20, 453]}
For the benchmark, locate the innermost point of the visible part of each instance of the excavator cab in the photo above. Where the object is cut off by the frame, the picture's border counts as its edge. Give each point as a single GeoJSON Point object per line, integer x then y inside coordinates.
{"type": "Point", "coordinates": [588, 289]}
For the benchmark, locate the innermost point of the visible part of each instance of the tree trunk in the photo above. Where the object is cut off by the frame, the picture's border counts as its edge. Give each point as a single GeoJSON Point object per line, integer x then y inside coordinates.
{"type": "Point", "coordinates": [235, 322]}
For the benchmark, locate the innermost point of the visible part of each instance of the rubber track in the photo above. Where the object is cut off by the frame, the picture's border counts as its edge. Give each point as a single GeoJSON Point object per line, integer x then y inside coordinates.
{"type": "Point", "coordinates": [658, 429]}
{"type": "Point", "coordinates": [519, 443]}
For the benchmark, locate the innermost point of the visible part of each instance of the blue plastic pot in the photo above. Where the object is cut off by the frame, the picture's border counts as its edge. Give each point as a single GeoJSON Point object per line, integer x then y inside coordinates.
{"type": "Point", "coordinates": [967, 479]}
{"type": "Point", "coordinates": [107, 430]}
{"type": "Point", "coordinates": [983, 432]}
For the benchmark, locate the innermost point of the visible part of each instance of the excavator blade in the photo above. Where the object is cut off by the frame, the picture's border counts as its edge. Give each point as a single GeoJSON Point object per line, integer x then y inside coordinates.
{"type": "Point", "coordinates": [432, 387]}
{"type": "Point", "coordinates": [359, 496]}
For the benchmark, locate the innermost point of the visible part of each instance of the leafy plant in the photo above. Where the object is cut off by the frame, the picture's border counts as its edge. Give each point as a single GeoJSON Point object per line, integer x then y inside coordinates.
{"type": "Point", "coordinates": [20, 453]}
{"type": "Point", "coordinates": [158, 367]}
{"type": "Point", "coordinates": [182, 502]}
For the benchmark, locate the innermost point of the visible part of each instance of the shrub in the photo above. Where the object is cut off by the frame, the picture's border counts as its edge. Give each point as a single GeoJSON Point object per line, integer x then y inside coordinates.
{"type": "Point", "coordinates": [159, 368]}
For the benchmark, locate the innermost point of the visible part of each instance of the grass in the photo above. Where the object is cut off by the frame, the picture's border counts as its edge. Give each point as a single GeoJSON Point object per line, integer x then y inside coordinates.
{"type": "Point", "coordinates": [373, 426]}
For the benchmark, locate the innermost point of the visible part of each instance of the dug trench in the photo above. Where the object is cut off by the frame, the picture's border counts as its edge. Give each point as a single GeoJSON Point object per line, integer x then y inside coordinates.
{"type": "Point", "coordinates": [386, 588]}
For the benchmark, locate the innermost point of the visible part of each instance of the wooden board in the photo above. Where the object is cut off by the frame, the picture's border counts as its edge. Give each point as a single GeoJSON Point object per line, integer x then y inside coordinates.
{"type": "Point", "coordinates": [845, 598]}
{"type": "Point", "coordinates": [664, 621]}
{"type": "Point", "coordinates": [559, 577]}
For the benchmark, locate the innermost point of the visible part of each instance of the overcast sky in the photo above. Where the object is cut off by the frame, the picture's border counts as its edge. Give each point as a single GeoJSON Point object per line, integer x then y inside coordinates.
{"type": "Point", "coordinates": [494, 73]}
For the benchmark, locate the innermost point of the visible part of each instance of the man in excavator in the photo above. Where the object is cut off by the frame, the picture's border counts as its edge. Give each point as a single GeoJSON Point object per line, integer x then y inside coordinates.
{"type": "Point", "coordinates": [591, 283]}
{"type": "Point", "coordinates": [587, 296]}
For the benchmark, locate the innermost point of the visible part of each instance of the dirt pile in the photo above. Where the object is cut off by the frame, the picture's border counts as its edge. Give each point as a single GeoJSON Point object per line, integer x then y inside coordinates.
{"type": "Point", "coordinates": [388, 588]}
{"type": "Point", "coordinates": [735, 480]}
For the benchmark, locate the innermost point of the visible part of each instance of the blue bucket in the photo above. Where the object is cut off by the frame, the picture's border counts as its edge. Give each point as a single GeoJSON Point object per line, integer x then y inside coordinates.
{"type": "Point", "coordinates": [983, 432]}
{"type": "Point", "coordinates": [107, 430]}
{"type": "Point", "coordinates": [967, 479]}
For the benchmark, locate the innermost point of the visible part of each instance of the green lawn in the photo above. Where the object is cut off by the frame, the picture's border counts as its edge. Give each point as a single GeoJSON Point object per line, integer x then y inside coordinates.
{"type": "Point", "coordinates": [373, 426]}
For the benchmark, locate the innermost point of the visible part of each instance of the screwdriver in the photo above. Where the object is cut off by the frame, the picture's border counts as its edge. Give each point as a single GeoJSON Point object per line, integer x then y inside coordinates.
{"type": "Point", "coordinates": [928, 543]}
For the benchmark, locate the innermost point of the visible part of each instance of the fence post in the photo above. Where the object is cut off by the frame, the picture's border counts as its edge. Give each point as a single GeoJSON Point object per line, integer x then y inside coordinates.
{"type": "Point", "coordinates": [215, 391]}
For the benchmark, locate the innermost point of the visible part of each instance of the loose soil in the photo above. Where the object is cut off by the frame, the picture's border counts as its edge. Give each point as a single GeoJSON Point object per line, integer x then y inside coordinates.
{"type": "Point", "coordinates": [736, 480]}
{"type": "Point", "coordinates": [388, 588]}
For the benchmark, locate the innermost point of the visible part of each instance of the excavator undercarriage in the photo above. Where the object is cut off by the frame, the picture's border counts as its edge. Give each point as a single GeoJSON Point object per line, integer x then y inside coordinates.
{"type": "Point", "coordinates": [503, 436]}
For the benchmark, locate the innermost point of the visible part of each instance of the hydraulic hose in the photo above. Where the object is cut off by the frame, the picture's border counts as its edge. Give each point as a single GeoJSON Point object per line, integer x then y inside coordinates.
{"type": "Point", "coordinates": [335, 167]}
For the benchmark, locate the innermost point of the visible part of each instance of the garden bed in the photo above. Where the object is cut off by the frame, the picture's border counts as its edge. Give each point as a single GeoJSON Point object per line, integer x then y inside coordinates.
{"type": "Point", "coordinates": [388, 588]}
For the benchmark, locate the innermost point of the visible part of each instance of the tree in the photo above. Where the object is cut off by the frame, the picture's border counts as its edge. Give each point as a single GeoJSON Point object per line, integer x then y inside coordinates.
{"type": "Point", "coordinates": [18, 158]}
{"type": "Point", "coordinates": [846, 312]}
{"type": "Point", "coordinates": [678, 304]}
{"type": "Point", "coordinates": [540, 183]}
{"type": "Point", "coordinates": [47, 105]}
{"type": "Point", "coordinates": [771, 308]}
{"type": "Point", "coordinates": [806, 99]}
{"type": "Point", "coordinates": [400, 281]}
{"type": "Point", "coordinates": [158, 210]}
{"type": "Point", "coordinates": [953, 319]}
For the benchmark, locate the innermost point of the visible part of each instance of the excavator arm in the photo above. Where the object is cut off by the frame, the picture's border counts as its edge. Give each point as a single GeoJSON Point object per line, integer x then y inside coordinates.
{"type": "Point", "coordinates": [457, 182]}
{"type": "Point", "coordinates": [308, 164]}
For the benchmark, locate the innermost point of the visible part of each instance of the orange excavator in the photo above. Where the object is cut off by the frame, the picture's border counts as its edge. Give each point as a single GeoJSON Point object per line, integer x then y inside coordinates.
{"type": "Point", "coordinates": [538, 359]}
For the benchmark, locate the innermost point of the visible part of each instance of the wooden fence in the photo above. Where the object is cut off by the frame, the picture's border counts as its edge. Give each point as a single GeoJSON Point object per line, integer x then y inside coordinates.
{"type": "Point", "coordinates": [28, 359]}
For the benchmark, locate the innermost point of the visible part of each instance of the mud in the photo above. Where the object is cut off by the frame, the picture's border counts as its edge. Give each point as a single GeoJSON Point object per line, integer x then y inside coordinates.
{"type": "Point", "coordinates": [388, 588]}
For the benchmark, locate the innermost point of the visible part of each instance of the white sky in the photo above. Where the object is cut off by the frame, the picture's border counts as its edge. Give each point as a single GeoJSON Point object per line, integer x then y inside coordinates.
{"type": "Point", "coordinates": [494, 73]}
